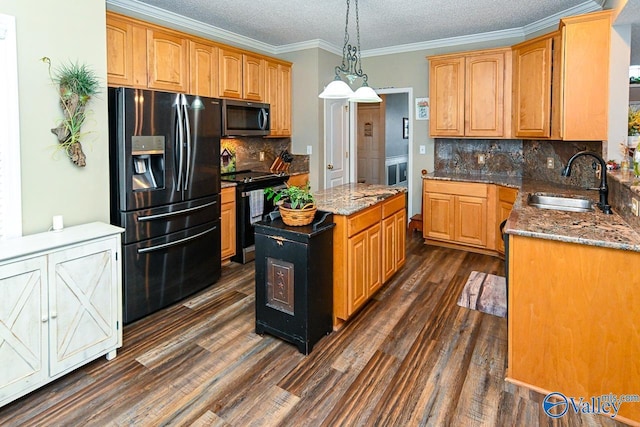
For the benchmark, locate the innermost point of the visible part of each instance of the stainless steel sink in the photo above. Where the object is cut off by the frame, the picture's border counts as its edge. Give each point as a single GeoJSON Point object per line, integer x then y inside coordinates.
{"type": "Point", "coordinates": [550, 201]}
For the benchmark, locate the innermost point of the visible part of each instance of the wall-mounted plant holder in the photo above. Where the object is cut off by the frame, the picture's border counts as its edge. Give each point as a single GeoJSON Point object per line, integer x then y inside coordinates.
{"type": "Point", "coordinates": [76, 85]}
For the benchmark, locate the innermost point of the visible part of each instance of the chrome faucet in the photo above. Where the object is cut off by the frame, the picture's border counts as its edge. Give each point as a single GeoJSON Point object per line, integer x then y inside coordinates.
{"type": "Point", "coordinates": [604, 188]}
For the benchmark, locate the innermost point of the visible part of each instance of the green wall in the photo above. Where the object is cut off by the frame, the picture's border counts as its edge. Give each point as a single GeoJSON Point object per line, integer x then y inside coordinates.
{"type": "Point", "coordinates": [63, 30]}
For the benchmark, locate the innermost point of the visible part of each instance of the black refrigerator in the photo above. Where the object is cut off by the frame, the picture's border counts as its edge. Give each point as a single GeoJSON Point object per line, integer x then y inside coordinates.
{"type": "Point", "coordinates": [165, 193]}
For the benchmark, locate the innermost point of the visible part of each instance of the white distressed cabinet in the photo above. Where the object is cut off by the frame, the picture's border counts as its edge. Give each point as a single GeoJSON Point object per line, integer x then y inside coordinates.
{"type": "Point", "coordinates": [60, 304]}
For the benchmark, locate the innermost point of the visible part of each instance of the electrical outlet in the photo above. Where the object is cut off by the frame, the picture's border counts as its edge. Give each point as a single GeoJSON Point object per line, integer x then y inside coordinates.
{"type": "Point", "coordinates": [262, 156]}
{"type": "Point", "coordinates": [549, 162]}
{"type": "Point", "coordinates": [423, 149]}
{"type": "Point", "coordinates": [634, 207]}
{"type": "Point", "coordinates": [481, 159]}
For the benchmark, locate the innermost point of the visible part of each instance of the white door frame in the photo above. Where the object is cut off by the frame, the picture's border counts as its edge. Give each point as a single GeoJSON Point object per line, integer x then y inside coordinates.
{"type": "Point", "coordinates": [353, 111]}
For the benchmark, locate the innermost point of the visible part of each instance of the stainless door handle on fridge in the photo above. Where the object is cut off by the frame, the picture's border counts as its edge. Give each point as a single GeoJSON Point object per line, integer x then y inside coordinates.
{"type": "Point", "coordinates": [175, 243]}
{"type": "Point", "coordinates": [175, 213]}
{"type": "Point", "coordinates": [187, 127]}
{"type": "Point", "coordinates": [179, 150]}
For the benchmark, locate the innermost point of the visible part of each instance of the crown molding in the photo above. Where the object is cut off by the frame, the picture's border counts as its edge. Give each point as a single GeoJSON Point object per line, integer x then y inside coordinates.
{"type": "Point", "coordinates": [160, 16]}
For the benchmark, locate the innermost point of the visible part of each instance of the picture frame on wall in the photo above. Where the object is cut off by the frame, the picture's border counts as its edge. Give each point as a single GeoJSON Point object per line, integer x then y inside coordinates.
{"type": "Point", "coordinates": [405, 128]}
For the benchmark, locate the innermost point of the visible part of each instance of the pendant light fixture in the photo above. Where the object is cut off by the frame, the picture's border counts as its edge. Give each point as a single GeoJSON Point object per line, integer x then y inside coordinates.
{"type": "Point", "coordinates": [351, 69]}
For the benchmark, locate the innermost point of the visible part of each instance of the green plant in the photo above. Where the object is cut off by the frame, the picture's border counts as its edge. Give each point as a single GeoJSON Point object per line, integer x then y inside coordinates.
{"type": "Point", "coordinates": [634, 121]}
{"type": "Point", "coordinates": [295, 197]}
{"type": "Point", "coordinates": [76, 85]}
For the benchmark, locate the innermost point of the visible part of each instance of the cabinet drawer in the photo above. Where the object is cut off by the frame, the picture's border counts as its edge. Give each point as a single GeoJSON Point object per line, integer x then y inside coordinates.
{"type": "Point", "coordinates": [393, 205]}
{"type": "Point", "coordinates": [361, 220]}
{"type": "Point", "coordinates": [506, 194]}
{"type": "Point", "coordinates": [228, 195]}
{"type": "Point", "coordinates": [456, 188]}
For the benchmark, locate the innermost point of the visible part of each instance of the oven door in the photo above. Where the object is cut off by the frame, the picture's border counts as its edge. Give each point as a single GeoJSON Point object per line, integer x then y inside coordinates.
{"type": "Point", "coordinates": [245, 230]}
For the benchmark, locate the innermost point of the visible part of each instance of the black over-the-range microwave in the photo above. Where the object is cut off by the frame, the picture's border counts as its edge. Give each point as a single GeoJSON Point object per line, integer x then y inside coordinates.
{"type": "Point", "coordinates": [245, 118]}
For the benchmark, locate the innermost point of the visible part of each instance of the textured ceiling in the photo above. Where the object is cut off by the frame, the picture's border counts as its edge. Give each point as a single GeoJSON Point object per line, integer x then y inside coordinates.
{"type": "Point", "coordinates": [384, 24]}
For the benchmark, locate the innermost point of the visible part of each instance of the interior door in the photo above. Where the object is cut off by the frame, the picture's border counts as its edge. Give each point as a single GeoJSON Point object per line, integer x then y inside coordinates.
{"type": "Point", "coordinates": [371, 143]}
{"type": "Point", "coordinates": [336, 142]}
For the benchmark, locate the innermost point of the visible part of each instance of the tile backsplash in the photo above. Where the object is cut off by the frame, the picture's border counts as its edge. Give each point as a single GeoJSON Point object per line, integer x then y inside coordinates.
{"type": "Point", "coordinates": [245, 154]}
{"type": "Point", "coordinates": [517, 158]}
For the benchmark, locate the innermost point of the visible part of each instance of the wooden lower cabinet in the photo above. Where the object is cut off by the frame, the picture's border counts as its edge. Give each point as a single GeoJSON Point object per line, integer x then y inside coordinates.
{"type": "Point", "coordinates": [573, 320]}
{"type": "Point", "coordinates": [228, 223]}
{"type": "Point", "coordinates": [369, 247]}
{"type": "Point", "coordinates": [62, 305]}
{"type": "Point", "coordinates": [465, 215]}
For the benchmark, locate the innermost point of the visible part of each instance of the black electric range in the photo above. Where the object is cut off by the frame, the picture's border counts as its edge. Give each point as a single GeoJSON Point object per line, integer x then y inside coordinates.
{"type": "Point", "coordinates": [251, 206]}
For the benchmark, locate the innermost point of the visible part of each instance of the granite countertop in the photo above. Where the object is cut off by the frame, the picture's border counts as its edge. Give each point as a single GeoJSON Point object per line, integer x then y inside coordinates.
{"type": "Point", "coordinates": [348, 199]}
{"type": "Point", "coordinates": [591, 228]}
{"type": "Point", "coordinates": [225, 184]}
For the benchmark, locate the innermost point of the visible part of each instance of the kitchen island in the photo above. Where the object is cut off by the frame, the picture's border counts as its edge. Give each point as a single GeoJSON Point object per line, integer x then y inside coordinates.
{"type": "Point", "coordinates": [573, 304]}
{"type": "Point", "coordinates": [368, 241]}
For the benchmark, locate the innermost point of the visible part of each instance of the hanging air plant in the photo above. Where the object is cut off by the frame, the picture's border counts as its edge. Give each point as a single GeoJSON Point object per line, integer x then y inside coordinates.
{"type": "Point", "coordinates": [76, 85]}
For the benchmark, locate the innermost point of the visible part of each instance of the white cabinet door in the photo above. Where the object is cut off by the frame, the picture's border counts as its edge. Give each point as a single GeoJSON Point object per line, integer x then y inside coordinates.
{"type": "Point", "coordinates": [23, 327]}
{"type": "Point", "coordinates": [83, 303]}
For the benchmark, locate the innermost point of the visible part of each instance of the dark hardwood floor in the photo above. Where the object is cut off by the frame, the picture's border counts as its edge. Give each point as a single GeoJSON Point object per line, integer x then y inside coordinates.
{"type": "Point", "coordinates": [411, 357]}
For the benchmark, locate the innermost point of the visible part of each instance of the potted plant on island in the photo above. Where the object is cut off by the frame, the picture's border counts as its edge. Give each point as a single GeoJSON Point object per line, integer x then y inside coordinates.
{"type": "Point", "coordinates": [296, 204]}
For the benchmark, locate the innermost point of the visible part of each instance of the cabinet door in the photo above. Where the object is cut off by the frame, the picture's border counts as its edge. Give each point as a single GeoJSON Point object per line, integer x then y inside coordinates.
{"type": "Point", "coordinates": [446, 92]}
{"type": "Point", "coordinates": [471, 220]}
{"type": "Point", "coordinates": [400, 218]}
{"type": "Point", "coordinates": [23, 327]}
{"type": "Point", "coordinates": [228, 223]}
{"type": "Point", "coordinates": [230, 73]}
{"type": "Point", "coordinates": [532, 62]}
{"type": "Point", "coordinates": [168, 60]}
{"type": "Point", "coordinates": [358, 268]}
{"type": "Point", "coordinates": [485, 95]}
{"type": "Point", "coordinates": [389, 247]}
{"type": "Point", "coordinates": [253, 78]}
{"type": "Point", "coordinates": [438, 216]}
{"type": "Point", "coordinates": [374, 253]}
{"type": "Point", "coordinates": [83, 301]}
{"type": "Point", "coordinates": [278, 95]}
{"type": "Point", "coordinates": [586, 50]}
{"type": "Point", "coordinates": [203, 69]}
{"type": "Point", "coordinates": [126, 53]}
{"type": "Point", "coordinates": [506, 198]}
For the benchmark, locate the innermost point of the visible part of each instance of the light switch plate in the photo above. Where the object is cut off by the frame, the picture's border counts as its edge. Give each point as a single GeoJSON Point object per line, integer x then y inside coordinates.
{"type": "Point", "coordinates": [481, 159]}
{"type": "Point", "coordinates": [309, 149]}
{"type": "Point", "coordinates": [634, 207]}
{"type": "Point", "coordinates": [262, 156]}
{"type": "Point", "coordinates": [423, 149]}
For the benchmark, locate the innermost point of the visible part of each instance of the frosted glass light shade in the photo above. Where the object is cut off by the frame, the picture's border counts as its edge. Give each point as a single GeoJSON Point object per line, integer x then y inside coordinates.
{"type": "Point", "coordinates": [365, 94]}
{"type": "Point", "coordinates": [337, 89]}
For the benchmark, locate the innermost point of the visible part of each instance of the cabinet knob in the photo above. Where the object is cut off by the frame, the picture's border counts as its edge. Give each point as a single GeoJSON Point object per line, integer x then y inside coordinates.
{"type": "Point", "coordinates": [44, 319]}
{"type": "Point", "coordinates": [54, 314]}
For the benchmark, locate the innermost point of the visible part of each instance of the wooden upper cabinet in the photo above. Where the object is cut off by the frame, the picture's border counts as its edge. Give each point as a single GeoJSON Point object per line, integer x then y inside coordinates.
{"type": "Point", "coordinates": [532, 77]}
{"type": "Point", "coordinates": [253, 78]}
{"type": "Point", "coordinates": [168, 61]}
{"type": "Point", "coordinates": [487, 94]}
{"type": "Point", "coordinates": [470, 94]}
{"type": "Point", "coordinates": [586, 50]}
{"type": "Point", "coordinates": [446, 94]}
{"type": "Point", "coordinates": [278, 95]}
{"type": "Point", "coordinates": [203, 69]}
{"type": "Point", "coordinates": [230, 73]}
{"type": "Point", "coordinates": [126, 53]}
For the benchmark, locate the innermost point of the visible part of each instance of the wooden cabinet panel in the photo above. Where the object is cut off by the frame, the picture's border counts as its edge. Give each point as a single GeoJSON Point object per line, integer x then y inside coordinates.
{"type": "Point", "coordinates": [23, 326]}
{"type": "Point", "coordinates": [470, 94]}
{"type": "Point", "coordinates": [374, 243]}
{"type": "Point", "coordinates": [438, 216]}
{"type": "Point", "coordinates": [388, 248]}
{"type": "Point", "coordinates": [228, 223]}
{"type": "Point", "coordinates": [84, 304]}
{"type": "Point", "coordinates": [168, 61]}
{"type": "Point", "coordinates": [126, 53]}
{"type": "Point", "coordinates": [470, 220]}
{"type": "Point", "coordinates": [230, 73]}
{"type": "Point", "coordinates": [487, 105]}
{"type": "Point", "coordinates": [532, 77]}
{"type": "Point", "coordinates": [203, 69]}
{"type": "Point", "coordinates": [358, 260]}
{"type": "Point", "coordinates": [586, 50]}
{"type": "Point", "coordinates": [278, 95]}
{"type": "Point", "coordinates": [446, 92]}
{"type": "Point", "coordinates": [253, 78]}
{"type": "Point", "coordinates": [506, 198]}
